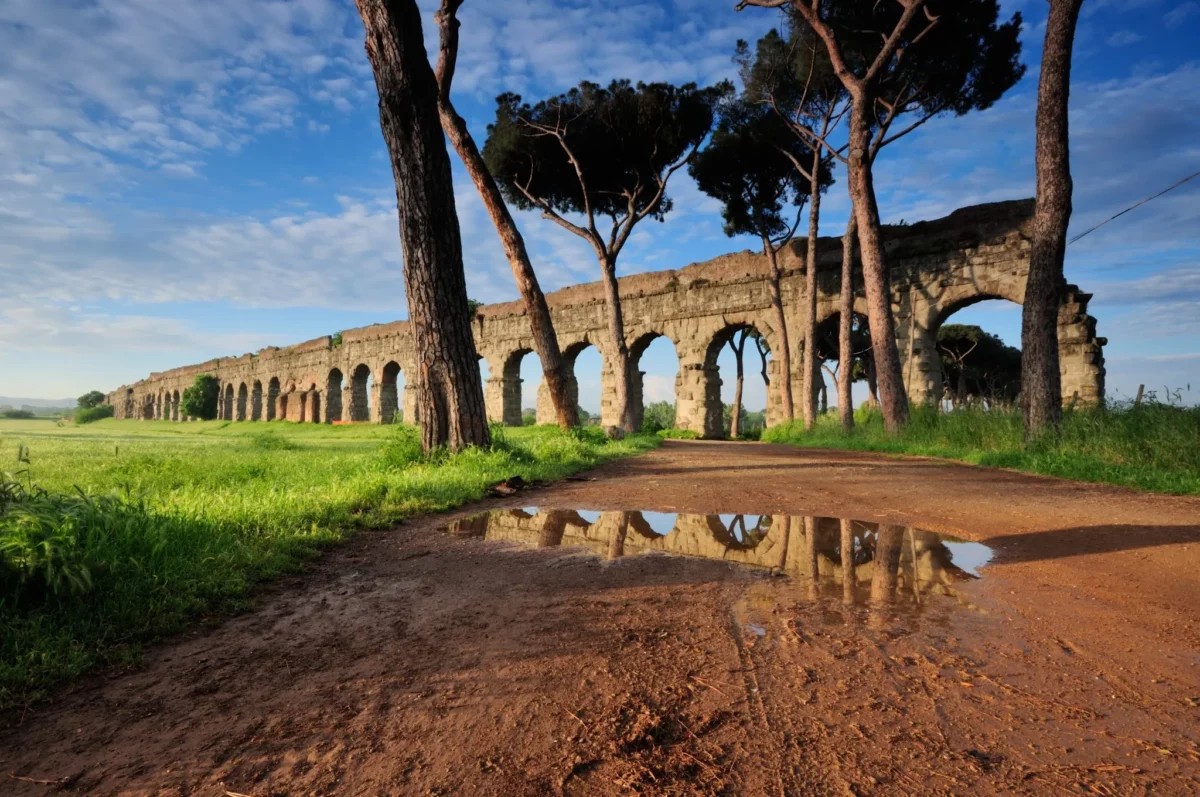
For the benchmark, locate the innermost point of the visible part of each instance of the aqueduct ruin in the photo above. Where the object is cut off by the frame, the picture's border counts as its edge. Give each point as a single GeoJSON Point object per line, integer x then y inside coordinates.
{"type": "Point", "coordinates": [936, 268]}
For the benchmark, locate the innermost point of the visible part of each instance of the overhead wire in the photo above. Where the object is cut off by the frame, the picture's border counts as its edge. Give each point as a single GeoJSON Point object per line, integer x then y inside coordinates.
{"type": "Point", "coordinates": [1132, 207]}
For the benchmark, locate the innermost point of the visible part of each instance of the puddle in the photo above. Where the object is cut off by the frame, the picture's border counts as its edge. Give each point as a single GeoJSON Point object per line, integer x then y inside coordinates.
{"type": "Point", "coordinates": [860, 562]}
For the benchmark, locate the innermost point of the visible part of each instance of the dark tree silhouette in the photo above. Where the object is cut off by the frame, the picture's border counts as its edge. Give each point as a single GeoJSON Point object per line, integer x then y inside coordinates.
{"type": "Point", "coordinates": [545, 342]}
{"type": "Point", "coordinates": [747, 166]}
{"type": "Point", "coordinates": [902, 58]}
{"type": "Point", "coordinates": [793, 78]}
{"type": "Point", "coordinates": [977, 363]}
{"type": "Point", "coordinates": [450, 404]}
{"type": "Point", "coordinates": [1042, 394]}
{"type": "Point", "coordinates": [605, 153]}
{"type": "Point", "coordinates": [93, 398]}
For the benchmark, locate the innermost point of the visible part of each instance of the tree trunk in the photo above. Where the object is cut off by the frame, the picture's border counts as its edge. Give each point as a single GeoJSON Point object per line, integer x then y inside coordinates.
{"type": "Point", "coordinates": [961, 390]}
{"type": "Point", "coordinates": [1041, 383]}
{"type": "Point", "coordinates": [846, 312]}
{"type": "Point", "coordinates": [785, 353]}
{"type": "Point", "coordinates": [735, 418]}
{"type": "Point", "coordinates": [449, 389]}
{"type": "Point", "coordinates": [872, 385]}
{"type": "Point", "coordinates": [620, 351]}
{"type": "Point", "coordinates": [545, 342]}
{"type": "Point", "coordinates": [810, 300]}
{"type": "Point", "coordinates": [824, 398]}
{"type": "Point", "coordinates": [887, 563]}
{"type": "Point", "coordinates": [892, 399]}
{"type": "Point", "coordinates": [846, 548]}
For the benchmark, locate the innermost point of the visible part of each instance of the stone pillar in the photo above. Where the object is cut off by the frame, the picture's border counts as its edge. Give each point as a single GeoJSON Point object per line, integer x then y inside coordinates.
{"type": "Point", "coordinates": [493, 399]}
{"type": "Point", "coordinates": [348, 402]}
{"type": "Point", "coordinates": [388, 400]}
{"type": "Point", "coordinates": [511, 392]}
{"type": "Point", "coordinates": [411, 416]}
{"type": "Point", "coordinates": [545, 407]}
{"type": "Point", "coordinates": [1080, 351]}
{"type": "Point", "coordinates": [920, 363]}
{"type": "Point", "coordinates": [376, 406]}
{"type": "Point", "coordinates": [608, 393]}
{"type": "Point", "coordinates": [692, 392]}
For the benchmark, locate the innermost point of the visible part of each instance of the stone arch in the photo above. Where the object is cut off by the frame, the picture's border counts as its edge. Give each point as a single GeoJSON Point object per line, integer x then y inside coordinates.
{"type": "Point", "coordinates": [148, 407]}
{"type": "Point", "coordinates": [389, 395]}
{"type": "Point", "coordinates": [175, 406]}
{"type": "Point", "coordinates": [256, 401]}
{"type": "Point", "coordinates": [130, 410]}
{"type": "Point", "coordinates": [273, 409]}
{"type": "Point", "coordinates": [360, 402]}
{"type": "Point", "coordinates": [243, 398]}
{"type": "Point", "coordinates": [738, 534]}
{"type": "Point", "coordinates": [334, 384]}
{"type": "Point", "coordinates": [711, 423]}
{"type": "Point", "coordinates": [226, 413]}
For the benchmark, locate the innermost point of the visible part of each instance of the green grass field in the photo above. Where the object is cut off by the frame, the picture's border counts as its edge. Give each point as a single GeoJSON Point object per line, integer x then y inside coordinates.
{"type": "Point", "coordinates": [145, 525]}
{"type": "Point", "coordinates": [1153, 447]}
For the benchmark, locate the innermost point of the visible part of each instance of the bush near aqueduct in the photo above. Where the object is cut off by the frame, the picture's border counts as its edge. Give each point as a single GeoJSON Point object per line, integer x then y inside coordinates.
{"type": "Point", "coordinates": [91, 414]}
{"type": "Point", "coordinates": [200, 400]}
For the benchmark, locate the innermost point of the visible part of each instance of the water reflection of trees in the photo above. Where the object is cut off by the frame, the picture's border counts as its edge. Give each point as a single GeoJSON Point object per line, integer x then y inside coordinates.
{"type": "Point", "coordinates": [862, 561]}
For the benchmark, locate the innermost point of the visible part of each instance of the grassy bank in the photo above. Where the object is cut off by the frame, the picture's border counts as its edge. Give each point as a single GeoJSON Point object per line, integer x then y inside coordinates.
{"type": "Point", "coordinates": [117, 533]}
{"type": "Point", "coordinates": [1153, 447]}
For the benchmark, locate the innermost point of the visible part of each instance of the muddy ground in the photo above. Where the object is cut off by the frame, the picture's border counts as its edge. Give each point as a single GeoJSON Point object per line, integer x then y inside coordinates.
{"type": "Point", "coordinates": [418, 662]}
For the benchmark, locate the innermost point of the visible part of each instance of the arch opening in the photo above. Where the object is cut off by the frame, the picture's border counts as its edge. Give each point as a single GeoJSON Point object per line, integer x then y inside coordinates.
{"type": "Point", "coordinates": [654, 381]}
{"type": "Point", "coordinates": [863, 387]}
{"type": "Point", "coordinates": [391, 389]}
{"type": "Point", "coordinates": [243, 397]}
{"type": "Point", "coordinates": [226, 413]}
{"type": "Point", "coordinates": [175, 406]}
{"type": "Point", "coordinates": [256, 401]}
{"type": "Point", "coordinates": [586, 383]}
{"type": "Point", "coordinates": [738, 369]}
{"type": "Point", "coordinates": [333, 396]}
{"type": "Point", "coordinates": [971, 356]}
{"type": "Point", "coordinates": [273, 409]}
{"type": "Point", "coordinates": [519, 404]}
{"type": "Point", "coordinates": [360, 402]}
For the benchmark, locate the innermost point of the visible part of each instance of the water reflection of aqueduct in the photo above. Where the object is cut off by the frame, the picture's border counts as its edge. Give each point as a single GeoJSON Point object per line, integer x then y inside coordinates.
{"type": "Point", "coordinates": [879, 560]}
{"type": "Point", "coordinates": [937, 268]}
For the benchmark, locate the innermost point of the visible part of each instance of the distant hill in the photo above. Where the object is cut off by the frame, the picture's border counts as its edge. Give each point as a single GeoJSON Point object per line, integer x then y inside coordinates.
{"type": "Point", "coordinates": [34, 402]}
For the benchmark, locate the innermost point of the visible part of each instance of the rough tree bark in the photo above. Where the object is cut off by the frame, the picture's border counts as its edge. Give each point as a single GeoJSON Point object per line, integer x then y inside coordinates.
{"type": "Point", "coordinates": [810, 288]}
{"type": "Point", "coordinates": [545, 341]}
{"type": "Point", "coordinates": [449, 390]}
{"type": "Point", "coordinates": [1041, 382]}
{"type": "Point", "coordinates": [785, 348]}
{"type": "Point", "coordinates": [889, 379]}
{"type": "Point", "coordinates": [845, 320]}
{"type": "Point", "coordinates": [620, 349]}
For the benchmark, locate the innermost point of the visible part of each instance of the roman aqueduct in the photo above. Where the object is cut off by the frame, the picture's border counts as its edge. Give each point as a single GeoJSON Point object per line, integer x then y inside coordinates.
{"type": "Point", "coordinates": [937, 267]}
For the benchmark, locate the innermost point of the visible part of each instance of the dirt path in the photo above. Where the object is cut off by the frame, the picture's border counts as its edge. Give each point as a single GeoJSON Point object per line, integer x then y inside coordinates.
{"type": "Point", "coordinates": [419, 662]}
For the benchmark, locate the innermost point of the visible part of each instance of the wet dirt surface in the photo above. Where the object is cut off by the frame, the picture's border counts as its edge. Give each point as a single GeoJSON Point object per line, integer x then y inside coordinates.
{"type": "Point", "coordinates": [679, 651]}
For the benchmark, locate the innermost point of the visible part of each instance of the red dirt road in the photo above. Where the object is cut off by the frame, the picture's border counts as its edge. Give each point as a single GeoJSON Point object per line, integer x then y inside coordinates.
{"type": "Point", "coordinates": [417, 662]}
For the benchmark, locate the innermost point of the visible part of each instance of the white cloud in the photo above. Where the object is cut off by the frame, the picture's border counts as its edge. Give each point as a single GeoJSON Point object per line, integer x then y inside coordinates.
{"type": "Point", "coordinates": [1124, 38]}
{"type": "Point", "coordinates": [1180, 13]}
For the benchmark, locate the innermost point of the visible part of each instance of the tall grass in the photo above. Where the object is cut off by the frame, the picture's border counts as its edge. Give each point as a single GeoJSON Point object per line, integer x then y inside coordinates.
{"type": "Point", "coordinates": [114, 536]}
{"type": "Point", "coordinates": [1153, 447]}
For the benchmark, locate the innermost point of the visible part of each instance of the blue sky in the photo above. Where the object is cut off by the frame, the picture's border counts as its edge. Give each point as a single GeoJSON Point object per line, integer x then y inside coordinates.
{"type": "Point", "coordinates": [183, 180]}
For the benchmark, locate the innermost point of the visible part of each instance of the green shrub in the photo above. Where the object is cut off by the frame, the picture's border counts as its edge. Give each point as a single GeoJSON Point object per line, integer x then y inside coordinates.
{"type": "Point", "coordinates": [200, 399]}
{"type": "Point", "coordinates": [678, 434]}
{"type": "Point", "coordinates": [90, 414]}
{"type": "Point", "coordinates": [23, 415]}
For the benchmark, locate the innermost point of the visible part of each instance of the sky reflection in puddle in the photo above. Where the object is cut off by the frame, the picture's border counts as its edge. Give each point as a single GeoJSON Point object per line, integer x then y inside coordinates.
{"type": "Point", "coordinates": [865, 562]}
